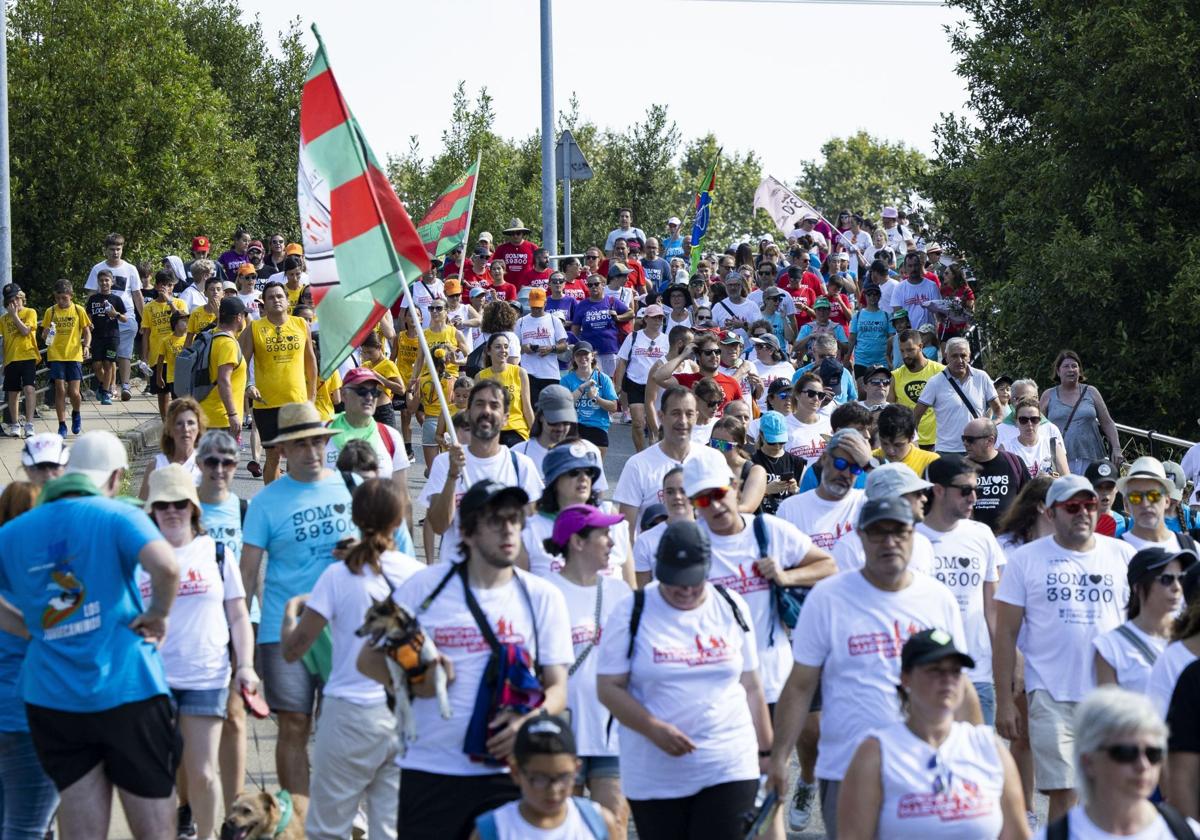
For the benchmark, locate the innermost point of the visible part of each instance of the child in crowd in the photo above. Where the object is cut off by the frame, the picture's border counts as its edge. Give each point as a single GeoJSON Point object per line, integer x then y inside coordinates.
{"type": "Point", "coordinates": [106, 312]}
{"type": "Point", "coordinates": [385, 368]}
{"type": "Point", "coordinates": [18, 328]}
{"type": "Point", "coordinates": [158, 327]}
{"type": "Point", "coordinates": [164, 362]}
{"type": "Point", "coordinates": [67, 334]}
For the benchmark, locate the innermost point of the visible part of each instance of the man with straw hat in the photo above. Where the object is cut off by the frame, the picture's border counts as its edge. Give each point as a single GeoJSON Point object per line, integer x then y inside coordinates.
{"type": "Point", "coordinates": [297, 521]}
{"type": "Point", "coordinates": [517, 254]}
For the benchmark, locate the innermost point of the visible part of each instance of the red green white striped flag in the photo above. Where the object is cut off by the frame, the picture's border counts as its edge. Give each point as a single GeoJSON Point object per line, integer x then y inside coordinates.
{"type": "Point", "coordinates": [446, 224]}
{"type": "Point", "coordinates": [360, 245]}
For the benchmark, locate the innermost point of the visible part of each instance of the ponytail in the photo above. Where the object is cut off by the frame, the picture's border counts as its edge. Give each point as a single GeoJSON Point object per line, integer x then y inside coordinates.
{"type": "Point", "coordinates": [377, 513]}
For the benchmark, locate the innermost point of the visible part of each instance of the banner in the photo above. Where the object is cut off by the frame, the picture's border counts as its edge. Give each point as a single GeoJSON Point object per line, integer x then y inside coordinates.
{"type": "Point", "coordinates": [703, 208]}
{"type": "Point", "coordinates": [783, 205]}
{"type": "Point", "coordinates": [446, 224]}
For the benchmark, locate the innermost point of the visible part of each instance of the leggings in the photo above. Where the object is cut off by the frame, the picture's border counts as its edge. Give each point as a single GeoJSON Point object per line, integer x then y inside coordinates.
{"type": "Point", "coordinates": [720, 812]}
{"type": "Point", "coordinates": [27, 797]}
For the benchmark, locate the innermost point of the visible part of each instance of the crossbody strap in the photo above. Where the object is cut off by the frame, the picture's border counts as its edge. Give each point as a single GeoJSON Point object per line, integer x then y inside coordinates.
{"type": "Point", "coordinates": [476, 611]}
{"type": "Point", "coordinates": [1139, 643]}
{"type": "Point", "coordinates": [583, 654]}
{"type": "Point", "coordinates": [967, 402]}
{"type": "Point", "coordinates": [1074, 408]}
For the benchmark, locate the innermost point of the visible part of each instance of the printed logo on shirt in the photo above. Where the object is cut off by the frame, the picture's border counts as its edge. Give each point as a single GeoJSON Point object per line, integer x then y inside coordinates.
{"type": "Point", "coordinates": [913, 390]}
{"type": "Point", "coordinates": [827, 540]}
{"type": "Point", "coordinates": [886, 644]}
{"type": "Point", "coordinates": [583, 634]}
{"type": "Point", "coordinates": [952, 799]}
{"type": "Point", "coordinates": [809, 451]}
{"type": "Point", "coordinates": [958, 571]}
{"type": "Point", "coordinates": [707, 651]}
{"type": "Point", "coordinates": [1071, 588]}
{"type": "Point", "coordinates": [743, 583]}
{"type": "Point", "coordinates": [993, 485]}
{"type": "Point", "coordinates": [472, 641]}
{"type": "Point", "coordinates": [321, 521]}
{"type": "Point", "coordinates": [68, 596]}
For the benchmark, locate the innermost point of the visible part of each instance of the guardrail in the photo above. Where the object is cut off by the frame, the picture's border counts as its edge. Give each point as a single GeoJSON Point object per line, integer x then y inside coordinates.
{"type": "Point", "coordinates": [43, 395]}
{"type": "Point", "coordinates": [1156, 444]}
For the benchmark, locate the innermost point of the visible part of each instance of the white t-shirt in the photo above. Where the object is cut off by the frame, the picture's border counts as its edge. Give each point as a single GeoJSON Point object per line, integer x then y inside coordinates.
{"type": "Point", "coordinates": [545, 331]}
{"type": "Point", "coordinates": [511, 825]}
{"type": "Point", "coordinates": [424, 293]}
{"type": "Point", "coordinates": [342, 598]}
{"type": "Point", "coordinates": [949, 793]}
{"type": "Point", "coordinates": [747, 311]}
{"type": "Point", "coordinates": [849, 241]}
{"type": "Point", "coordinates": [1165, 673]}
{"type": "Point", "coordinates": [193, 298]}
{"type": "Point", "coordinates": [686, 669]}
{"type": "Point", "coordinates": [952, 415]}
{"type": "Point", "coordinates": [848, 554]}
{"type": "Point", "coordinates": [589, 717]}
{"type": "Point", "coordinates": [787, 304]}
{"type": "Point", "coordinates": [1038, 458]}
{"type": "Point", "coordinates": [641, 480]}
{"type": "Point", "coordinates": [768, 373]}
{"type": "Point", "coordinates": [1069, 598]}
{"type": "Point", "coordinates": [439, 744]}
{"type": "Point", "coordinates": [1006, 432]}
{"type": "Point", "coordinates": [126, 281]}
{"type": "Point", "coordinates": [885, 292]}
{"type": "Point", "coordinates": [853, 632]}
{"type": "Point", "coordinates": [966, 558]}
{"type": "Point", "coordinates": [542, 563]}
{"type": "Point", "coordinates": [807, 440]}
{"type": "Point", "coordinates": [735, 566]}
{"type": "Point", "coordinates": [645, 548]}
{"type": "Point", "coordinates": [1191, 468]}
{"type": "Point", "coordinates": [253, 303]}
{"type": "Point", "coordinates": [702, 432]}
{"type": "Point", "coordinates": [498, 467]}
{"type": "Point", "coordinates": [910, 296]}
{"type": "Point", "coordinates": [389, 462]}
{"type": "Point", "coordinates": [1131, 665]}
{"type": "Point", "coordinates": [825, 522]}
{"type": "Point", "coordinates": [195, 653]}
{"type": "Point", "coordinates": [1171, 543]}
{"type": "Point", "coordinates": [534, 450]}
{"type": "Point", "coordinates": [161, 460]}
{"type": "Point", "coordinates": [1080, 827]}
{"type": "Point", "coordinates": [640, 353]}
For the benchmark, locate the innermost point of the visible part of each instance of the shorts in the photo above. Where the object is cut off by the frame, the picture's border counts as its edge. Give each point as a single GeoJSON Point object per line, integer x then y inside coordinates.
{"type": "Point", "coordinates": [138, 745]}
{"type": "Point", "coordinates": [598, 767]}
{"type": "Point", "coordinates": [429, 430]}
{"type": "Point", "coordinates": [266, 420]}
{"type": "Point", "coordinates": [66, 371]}
{"type": "Point", "coordinates": [201, 702]}
{"type": "Point", "coordinates": [126, 333]}
{"type": "Point", "coordinates": [1052, 738]}
{"type": "Point", "coordinates": [434, 806]}
{"type": "Point", "coordinates": [385, 413]}
{"type": "Point", "coordinates": [18, 375]}
{"type": "Point", "coordinates": [536, 386]}
{"type": "Point", "coordinates": [987, 701]}
{"type": "Point", "coordinates": [593, 435]}
{"type": "Point", "coordinates": [104, 348]}
{"type": "Point", "coordinates": [634, 393]}
{"type": "Point", "coordinates": [287, 687]}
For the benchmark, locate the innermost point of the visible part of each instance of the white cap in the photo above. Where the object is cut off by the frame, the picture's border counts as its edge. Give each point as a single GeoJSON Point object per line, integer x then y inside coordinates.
{"type": "Point", "coordinates": [44, 448]}
{"type": "Point", "coordinates": [702, 473]}
{"type": "Point", "coordinates": [96, 455]}
{"type": "Point", "coordinates": [766, 237]}
{"type": "Point", "coordinates": [890, 213]}
{"type": "Point", "coordinates": [674, 220]}
{"type": "Point", "coordinates": [810, 216]}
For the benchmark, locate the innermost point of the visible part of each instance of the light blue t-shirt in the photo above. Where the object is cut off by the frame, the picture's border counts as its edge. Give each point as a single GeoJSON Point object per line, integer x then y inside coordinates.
{"type": "Point", "coordinates": [871, 343]}
{"type": "Point", "coordinates": [12, 707]}
{"type": "Point", "coordinates": [70, 567]}
{"type": "Point", "coordinates": [223, 521]}
{"type": "Point", "coordinates": [589, 411]}
{"type": "Point", "coordinates": [297, 523]}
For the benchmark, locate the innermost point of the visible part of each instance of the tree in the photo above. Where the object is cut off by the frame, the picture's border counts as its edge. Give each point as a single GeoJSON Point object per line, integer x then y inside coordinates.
{"type": "Point", "coordinates": [862, 174]}
{"type": "Point", "coordinates": [1072, 192]}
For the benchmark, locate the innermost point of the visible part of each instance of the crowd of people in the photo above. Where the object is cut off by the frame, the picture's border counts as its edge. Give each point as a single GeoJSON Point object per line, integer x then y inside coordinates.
{"type": "Point", "coordinates": [839, 543]}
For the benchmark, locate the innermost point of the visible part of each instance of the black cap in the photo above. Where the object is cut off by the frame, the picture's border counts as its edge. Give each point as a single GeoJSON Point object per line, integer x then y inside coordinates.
{"type": "Point", "coordinates": [481, 251]}
{"type": "Point", "coordinates": [544, 735]}
{"type": "Point", "coordinates": [830, 372]}
{"type": "Point", "coordinates": [11, 291]}
{"type": "Point", "coordinates": [1101, 472]}
{"type": "Point", "coordinates": [1004, 377]}
{"type": "Point", "coordinates": [1154, 558]}
{"type": "Point", "coordinates": [945, 469]}
{"type": "Point", "coordinates": [230, 308]}
{"type": "Point", "coordinates": [684, 555]}
{"type": "Point", "coordinates": [582, 347]}
{"type": "Point", "coordinates": [893, 509]}
{"type": "Point", "coordinates": [874, 369]}
{"type": "Point", "coordinates": [485, 492]}
{"type": "Point", "coordinates": [652, 515]}
{"type": "Point", "coordinates": [931, 646]}
{"type": "Point", "coordinates": [871, 288]}
{"type": "Point", "coordinates": [779, 386]}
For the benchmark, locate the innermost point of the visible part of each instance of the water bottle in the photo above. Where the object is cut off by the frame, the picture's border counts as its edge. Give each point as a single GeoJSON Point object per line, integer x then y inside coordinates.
{"type": "Point", "coordinates": [50, 333]}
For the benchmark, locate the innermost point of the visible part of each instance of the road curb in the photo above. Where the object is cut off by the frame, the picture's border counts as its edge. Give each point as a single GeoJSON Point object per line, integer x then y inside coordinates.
{"type": "Point", "coordinates": [140, 438]}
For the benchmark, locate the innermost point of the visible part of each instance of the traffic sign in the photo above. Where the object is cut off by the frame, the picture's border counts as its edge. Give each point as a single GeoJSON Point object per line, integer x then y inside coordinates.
{"type": "Point", "coordinates": [569, 162]}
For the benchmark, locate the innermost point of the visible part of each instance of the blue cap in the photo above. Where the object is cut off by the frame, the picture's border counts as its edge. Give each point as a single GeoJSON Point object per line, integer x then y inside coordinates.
{"type": "Point", "coordinates": [564, 458]}
{"type": "Point", "coordinates": [772, 427]}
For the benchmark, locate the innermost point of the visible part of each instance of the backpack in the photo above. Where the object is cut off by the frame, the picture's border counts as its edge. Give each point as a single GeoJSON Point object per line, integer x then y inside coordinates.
{"type": "Point", "coordinates": [786, 601]}
{"type": "Point", "coordinates": [474, 363]}
{"type": "Point", "coordinates": [639, 605]}
{"type": "Point", "coordinates": [485, 824]}
{"type": "Point", "coordinates": [193, 378]}
{"type": "Point", "coordinates": [1177, 824]}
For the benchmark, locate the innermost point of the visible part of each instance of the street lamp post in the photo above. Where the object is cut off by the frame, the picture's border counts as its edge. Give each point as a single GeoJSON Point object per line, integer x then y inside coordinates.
{"type": "Point", "coordinates": [549, 194]}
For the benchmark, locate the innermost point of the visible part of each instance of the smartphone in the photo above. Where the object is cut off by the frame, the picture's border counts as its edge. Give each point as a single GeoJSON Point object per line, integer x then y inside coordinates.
{"type": "Point", "coordinates": [255, 704]}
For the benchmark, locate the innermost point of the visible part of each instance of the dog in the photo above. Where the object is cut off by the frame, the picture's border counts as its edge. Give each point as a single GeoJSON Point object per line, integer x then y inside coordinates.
{"type": "Point", "coordinates": [410, 655]}
{"type": "Point", "coordinates": [256, 814]}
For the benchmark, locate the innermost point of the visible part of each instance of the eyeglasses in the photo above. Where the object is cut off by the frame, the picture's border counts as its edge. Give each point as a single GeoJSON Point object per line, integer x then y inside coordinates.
{"type": "Point", "coordinates": [178, 504]}
{"type": "Point", "coordinates": [1029, 421]}
{"type": "Point", "coordinates": [969, 439]}
{"type": "Point", "coordinates": [965, 489]}
{"type": "Point", "coordinates": [592, 285]}
{"type": "Point", "coordinates": [706, 498]}
{"type": "Point", "coordinates": [721, 445]}
{"type": "Point", "coordinates": [713, 406]}
{"type": "Point", "coordinates": [879, 383]}
{"type": "Point", "coordinates": [437, 309]}
{"type": "Point", "coordinates": [1168, 580]}
{"type": "Point", "coordinates": [1136, 497]}
{"type": "Point", "coordinates": [1075, 506]}
{"type": "Point", "coordinates": [842, 464]}
{"type": "Point", "coordinates": [877, 536]}
{"type": "Point", "coordinates": [366, 393]}
{"type": "Point", "coordinates": [224, 463]}
{"type": "Point", "coordinates": [543, 782]}
{"type": "Point", "coordinates": [811, 394]}
{"type": "Point", "coordinates": [711, 351]}
{"type": "Point", "coordinates": [592, 257]}
{"type": "Point", "coordinates": [1128, 753]}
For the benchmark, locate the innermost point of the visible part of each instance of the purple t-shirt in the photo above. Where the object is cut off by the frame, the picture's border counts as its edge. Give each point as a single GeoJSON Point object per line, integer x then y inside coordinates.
{"type": "Point", "coordinates": [598, 325]}
{"type": "Point", "coordinates": [231, 261]}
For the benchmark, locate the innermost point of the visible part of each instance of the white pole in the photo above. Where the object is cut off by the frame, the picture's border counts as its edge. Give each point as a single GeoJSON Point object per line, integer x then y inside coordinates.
{"type": "Point", "coordinates": [5, 198]}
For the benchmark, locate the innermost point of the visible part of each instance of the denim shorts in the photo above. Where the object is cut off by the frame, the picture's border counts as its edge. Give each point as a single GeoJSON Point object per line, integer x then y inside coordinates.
{"type": "Point", "coordinates": [201, 702]}
{"type": "Point", "coordinates": [66, 371]}
{"type": "Point", "coordinates": [598, 767]}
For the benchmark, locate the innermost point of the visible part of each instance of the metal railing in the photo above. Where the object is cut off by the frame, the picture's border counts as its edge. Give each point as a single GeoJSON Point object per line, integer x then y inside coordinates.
{"type": "Point", "coordinates": [1135, 442]}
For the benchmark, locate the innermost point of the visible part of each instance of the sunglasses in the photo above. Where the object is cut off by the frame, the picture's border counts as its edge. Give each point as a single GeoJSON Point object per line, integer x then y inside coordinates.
{"type": "Point", "coordinates": [842, 464]}
{"type": "Point", "coordinates": [965, 489]}
{"type": "Point", "coordinates": [366, 393]}
{"type": "Point", "coordinates": [592, 285]}
{"type": "Point", "coordinates": [766, 273]}
{"type": "Point", "coordinates": [1028, 421]}
{"type": "Point", "coordinates": [722, 445]}
{"type": "Point", "coordinates": [224, 463]}
{"type": "Point", "coordinates": [1074, 507]}
{"type": "Point", "coordinates": [879, 383]}
{"type": "Point", "coordinates": [969, 439]}
{"type": "Point", "coordinates": [592, 257]}
{"type": "Point", "coordinates": [706, 498]}
{"type": "Point", "coordinates": [711, 351]}
{"type": "Point", "coordinates": [1128, 753]}
{"type": "Point", "coordinates": [1136, 497]}
{"type": "Point", "coordinates": [811, 394]}
{"type": "Point", "coordinates": [437, 309]}
{"type": "Point", "coordinates": [178, 504]}
{"type": "Point", "coordinates": [1168, 580]}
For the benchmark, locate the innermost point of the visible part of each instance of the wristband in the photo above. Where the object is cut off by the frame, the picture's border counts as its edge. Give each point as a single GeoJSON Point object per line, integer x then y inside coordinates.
{"type": "Point", "coordinates": [764, 753]}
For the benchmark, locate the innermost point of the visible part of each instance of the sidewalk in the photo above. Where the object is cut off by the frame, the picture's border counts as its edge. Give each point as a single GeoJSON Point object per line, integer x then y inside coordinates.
{"type": "Point", "coordinates": [135, 422]}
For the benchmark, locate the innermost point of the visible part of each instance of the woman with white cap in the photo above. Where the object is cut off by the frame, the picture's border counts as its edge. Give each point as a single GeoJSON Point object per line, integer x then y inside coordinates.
{"type": "Point", "coordinates": [43, 457]}
{"type": "Point", "coordinates": [678, 669]}
{"type": "Point", "coordinates": [931, 776]}
{"type": "Point", "coordinates": [638, 353]}
{"type": "Point", "coordinates": [209, 612]}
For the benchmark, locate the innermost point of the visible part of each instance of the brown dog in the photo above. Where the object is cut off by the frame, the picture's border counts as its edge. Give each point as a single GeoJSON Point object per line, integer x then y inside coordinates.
{"type": "Point", "coordinates": [256, 814]}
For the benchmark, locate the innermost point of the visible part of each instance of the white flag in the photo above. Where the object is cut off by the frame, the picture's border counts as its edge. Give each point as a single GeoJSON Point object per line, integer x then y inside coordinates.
{"type": "Point", "coordinates": [785, 207]}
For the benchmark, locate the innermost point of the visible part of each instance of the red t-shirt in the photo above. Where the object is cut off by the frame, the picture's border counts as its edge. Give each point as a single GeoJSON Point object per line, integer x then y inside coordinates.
{"type": "Point", "coordinates": [728, 384]}
{"type": "Point", "coordinates": [839, 306]}
{"type": "Point", "coordinates": [575, 289]}
{"type": "Point", "coordinates": [540, 279]}
{"type": "Point", "coordinates": [470, 279]}
{"type": "Point", "coordinates": [450, 267]}
{"type": "Point", "coordinates": [505, 291]}
{"type": "Point", "coordinates": [802, 295]}
{"type": "Point", "coordinates": [518, 262]}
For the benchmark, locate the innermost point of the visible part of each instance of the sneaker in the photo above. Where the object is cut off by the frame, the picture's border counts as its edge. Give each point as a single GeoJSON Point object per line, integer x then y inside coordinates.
{"type": "Point", "coordinates": [13, 430]}
{"type": "Point", "coordinates": [125, 395]}
{"type": "Point", "coordinates": [76, 422]}
{"type": "Point", "coordinates": [29, 430]}
{"type": "Point", "coordinates": [248, 422]}
{"type": "Point", "coordinates": [105, 398]}
{"type": "Point", "coordinates": [185, 827]}
{"type": "Point", "coordinates": [800, 811]}
{"type": "Point", "coordinates": [62, 430]}
{"type": "Point", "coordinates": [144, 369]}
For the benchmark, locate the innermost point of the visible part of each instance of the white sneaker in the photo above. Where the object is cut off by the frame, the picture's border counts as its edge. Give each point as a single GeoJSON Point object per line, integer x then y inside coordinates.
{"type": "Point", "coordinates": [800, 811]}
{"type": "Point", "coordinates": [29, 430]}
{"type": "Point", "coordinates": [13, 430]}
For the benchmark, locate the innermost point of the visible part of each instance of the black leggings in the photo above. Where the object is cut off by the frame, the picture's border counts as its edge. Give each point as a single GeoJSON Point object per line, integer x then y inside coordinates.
{"type": "Point", "coordinates": [720, 812]}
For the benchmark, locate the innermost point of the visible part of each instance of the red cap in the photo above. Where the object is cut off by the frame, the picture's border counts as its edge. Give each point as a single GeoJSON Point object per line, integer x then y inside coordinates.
{"type": "Point", "coordinates": [360, 374]}
{"type": "Point", "coordinates": [200, 243]}
{"type": "Point", "coordinates": [257, 243]}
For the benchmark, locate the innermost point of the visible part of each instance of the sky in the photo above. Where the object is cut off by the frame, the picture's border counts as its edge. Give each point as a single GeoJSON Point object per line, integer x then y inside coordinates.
{"type": "Point", "coordinates": [398, 63]}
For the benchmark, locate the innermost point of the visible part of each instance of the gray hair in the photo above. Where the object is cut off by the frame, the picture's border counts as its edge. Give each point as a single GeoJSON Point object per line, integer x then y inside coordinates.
{"type": "Point", "coordinates": [1024, 383]}
{"type": "Point", "coordinates": [958, 342]}
{"type": "Point", "coordinates": [826, 341]}
{"type": "Point", "coordinates": [1108, 712]}
{"type": "Point", "coordinates": [204, 266]}
{"type": "Point", "coordinates": [216, 442]}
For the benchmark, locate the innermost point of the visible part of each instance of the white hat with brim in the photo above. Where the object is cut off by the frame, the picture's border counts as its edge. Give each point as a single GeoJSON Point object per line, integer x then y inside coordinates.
{"type": "Point", "coordinates": [1146, 468]}
{"type": "Point", "coordinates": [97, 455]}
{"type": "Point", "coordinates": [298, 421]}
{"type": "Point", "coordinates": [172, 483]}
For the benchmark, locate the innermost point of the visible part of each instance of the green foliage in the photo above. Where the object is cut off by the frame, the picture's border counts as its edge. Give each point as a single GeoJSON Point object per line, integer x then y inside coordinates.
{"type": "Point", "coordinates": [862, 174]}
{"type": "Point", "coordinates": [1073, 191]}
{"type": "Point", "coordinates": [126, 117]}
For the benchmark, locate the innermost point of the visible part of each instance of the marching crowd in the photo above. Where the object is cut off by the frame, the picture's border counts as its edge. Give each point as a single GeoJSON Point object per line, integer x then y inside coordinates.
{"type": "Point", "coordinates": [838, 540]}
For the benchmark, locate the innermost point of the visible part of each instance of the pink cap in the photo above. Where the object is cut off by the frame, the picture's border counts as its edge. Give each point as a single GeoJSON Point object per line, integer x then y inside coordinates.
{"type": "Point", "coordinates": [574, 518]}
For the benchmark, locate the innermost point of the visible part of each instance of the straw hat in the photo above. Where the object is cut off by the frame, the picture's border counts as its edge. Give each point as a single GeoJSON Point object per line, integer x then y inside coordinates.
{"type": "Point", "coordinates": [297, 421]}
{"type": "Point", "coordinates": [172, 483]}
{"type": "Point", "coordinates": [515, 226]}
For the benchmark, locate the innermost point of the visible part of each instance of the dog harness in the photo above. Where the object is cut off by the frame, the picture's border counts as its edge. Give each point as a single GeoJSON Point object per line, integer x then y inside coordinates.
{"type": "Point", "coordinates": [284, 800]}
{"type": "Point", "coordinates": [407, 655]}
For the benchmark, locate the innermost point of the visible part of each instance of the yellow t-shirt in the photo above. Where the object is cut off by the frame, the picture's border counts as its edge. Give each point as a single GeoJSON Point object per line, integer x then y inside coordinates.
{"type": "Point", "coordinates": [225, 351]}
{"type": "Point", "coordinates": [324, 400]}
{"type": "Point", "coordinates": [199, 319]}
{"type": "Point", "coordinates": [279, 361]}
{"type": "Point", "coordinates": [168, 349]}
{"type": "Point", "coordinates": [293, 295]}
{"type": "Point", "coordinates": [447, 338]}
{"type": "Point", "coordinates": [69, 325]}
{"type": "Point", "coordinates": [428, 395]}
{"type": "Point", "coordinates": [407, 349]}
{"type": "Point", "coordinates": [909, 386]}
{"type": "Point", "coordinates": [510, 379]}
{"type": "Point", "coordinates": [156, 317]}
{"type": "Point", "coordinates": [388, 370]}
{"type": "Point", "coordinates": [916, 460]}
{"type": "Point", "coordinates": [17, 347]}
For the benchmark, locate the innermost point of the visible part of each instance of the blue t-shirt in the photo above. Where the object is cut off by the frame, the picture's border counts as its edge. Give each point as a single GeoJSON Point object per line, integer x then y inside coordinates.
{"type": "Point", "coordinates": [871, 330]}
{"type": "Point", "coordinates": [12, 707]}
{"type": "Point", "coordinates": [223, 521]}
{"type": "Point", "coordinates": [70, 568]}
{"type": "Point", "coordinates": [658, 273]}
{"type": "Point", "coordinates": [597, 322]}
{"type": "Point", "coordinates": [809, 330]}
{"type": "Point", "coordinates": [298, 523]}
{"type": "Point", "coordinates": [672, 247]}
{"type": "Point", "coordinates": [589, 411]}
